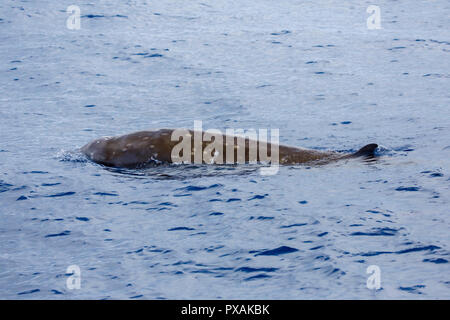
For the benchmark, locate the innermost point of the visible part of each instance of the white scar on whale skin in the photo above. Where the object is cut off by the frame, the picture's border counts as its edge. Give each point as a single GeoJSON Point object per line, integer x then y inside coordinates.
{"type": "Point", "coordinates": [179, 146]}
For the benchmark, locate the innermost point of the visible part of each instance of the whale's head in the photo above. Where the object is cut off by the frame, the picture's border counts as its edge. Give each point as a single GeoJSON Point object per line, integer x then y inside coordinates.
{"type": "Point", "coordinates": [97, 150]}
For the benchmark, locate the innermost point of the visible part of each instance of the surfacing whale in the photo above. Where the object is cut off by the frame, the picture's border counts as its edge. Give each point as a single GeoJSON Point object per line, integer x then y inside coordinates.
{"type": "Point", "coordinates": [136, 150]}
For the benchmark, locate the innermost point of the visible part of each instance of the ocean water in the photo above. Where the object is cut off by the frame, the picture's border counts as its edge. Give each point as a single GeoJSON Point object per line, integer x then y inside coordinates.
{"type": "Point", "coordinates": [309, 68]}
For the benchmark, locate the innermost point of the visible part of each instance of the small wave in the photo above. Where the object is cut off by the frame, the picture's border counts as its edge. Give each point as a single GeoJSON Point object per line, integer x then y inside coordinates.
{"type": "Point", "coordinates": [249, 269]}
{"type": "Point", "coordinates": [386, 151]}
{"type": "Point", "coordinates": [181, 229]}
{"type": "Point", "coordinates": [259, 276]}
{"type": "Point", "coordinates": [61, 194]}
{"type": "Point", "coordinates": [402, 188]}
{"type": "Point", "coordinates": [198, 188]}
{"type": "Point", "coordinates": [277, 251]}
{"type": "Point", "coordinates": [377, 232]}
{"type": "Point", "coordinates": [430, 248]}
{"type": "Point", "coordinates": [28, 292]}
{"type": "Point", "coordinates": [4, 186]}
{"type": "Point", "coordinates": [71, 156]}
{"type": "Point", "coordinates": [98, 16]}
{"type": "Point", "coordinates": [413, 289]}
{"type": "Point", "coordinates": [64, 233]}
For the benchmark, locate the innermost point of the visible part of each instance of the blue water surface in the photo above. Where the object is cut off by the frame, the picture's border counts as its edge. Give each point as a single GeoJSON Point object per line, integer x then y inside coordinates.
{"type": "Point", "coordinates": [310, 68]}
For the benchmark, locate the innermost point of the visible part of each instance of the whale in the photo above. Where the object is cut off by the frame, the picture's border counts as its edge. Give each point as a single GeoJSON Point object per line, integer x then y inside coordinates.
{"type": "Point", "coordinates": [143, 148]}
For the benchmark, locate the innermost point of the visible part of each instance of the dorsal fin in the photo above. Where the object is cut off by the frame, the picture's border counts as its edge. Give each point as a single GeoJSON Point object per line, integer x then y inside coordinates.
{"type": "Point", "coordinates": [366, 151]}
